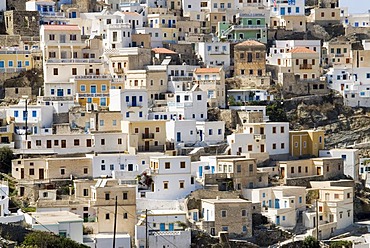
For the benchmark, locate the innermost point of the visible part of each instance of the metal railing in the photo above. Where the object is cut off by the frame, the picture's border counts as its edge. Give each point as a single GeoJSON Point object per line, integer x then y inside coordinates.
{"type": "Point", "coordinates": [79, 95]}
{"type": "Point", "coordinates": [159, 148]}
{"type": "Point", "coordinates": [74, 61]}
{"type": "Point", "coordinates": [147, 136]}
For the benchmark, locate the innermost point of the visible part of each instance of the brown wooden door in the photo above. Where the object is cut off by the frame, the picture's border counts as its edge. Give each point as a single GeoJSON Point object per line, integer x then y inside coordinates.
{"type": "Point", "coordinates": [28, 144]}
{"type": "Point", "coordinates": [318, 170]}
{"type": "Point", "coordinates": [22, 173]}
{"type": "Point", "coordinates": [146, 148]}
{"type": "Point", "coordinates": [48, 144]}
{"type": "Point", "coordinates": [88, 142]}
{"type": "Point", "coordinates": [262, 130]}
{"type": "Point", "coordinates": [64, 143]}
{"type": "Point", "coordinates": [262, 148]}
{"type": "Point", "coordinates": [41, 173]}
{"type": "Point", "coordinates": [146, 132]}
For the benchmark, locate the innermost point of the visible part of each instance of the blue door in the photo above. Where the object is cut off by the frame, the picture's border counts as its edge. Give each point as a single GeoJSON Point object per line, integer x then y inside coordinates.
{"type": "Point", "coordinates": [134, 101]}
{"type": "Point", "coordinates": [257, 98]}
{"type": "Point", "coordinates": [19, 63]}
{"type": "Point", "coordinates": [169, 23]}
{"type": "Point", "coordinates": [195, 216]}
{"type": "Point", "coordinates": [93, 88]}
{"type": "Point", "coordinates": [270, 204]}
{"type": "Point", "coordinates": [74, 14]}
{"type": "Point", "coordinates": [356, 24]}
{"type": "Point", "coordinates": [103, 101]}
{"type": "Point", "coordinates": [200, 171]}
{"type": "Point", "coordinates": [178, 136]}
{"type": "Point", "coordinates": [170, 227]}
{"type": "Point", "coordinates": [2, 64]}
{"type": "Point", "coordinates": [277, 203]}
{"type": "Point", "coordinates": [212, 169]}
{"type": "Point", "coordinates": [277, 220]}
{"type": "Point", "coordinates": [282, 11]}
{"type": "Point", "coordinates": [60, 92]}
{"type": "Point", "coordinates": [162, 227]}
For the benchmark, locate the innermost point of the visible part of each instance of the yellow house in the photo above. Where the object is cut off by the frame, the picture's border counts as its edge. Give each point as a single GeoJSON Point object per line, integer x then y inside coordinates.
{"type": "Point", "coordinates": [306, 142]}
{"type": "Point", "coordinates": [146, 136]}
{"type": "Point", "coordinates": [94, 89]}
{"type": "Point", "coordinates": [15, 60]}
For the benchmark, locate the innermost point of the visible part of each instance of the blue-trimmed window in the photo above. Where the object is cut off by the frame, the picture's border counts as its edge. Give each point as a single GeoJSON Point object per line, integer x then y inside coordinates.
{"type": "Point", "coordinates": [34, 113]}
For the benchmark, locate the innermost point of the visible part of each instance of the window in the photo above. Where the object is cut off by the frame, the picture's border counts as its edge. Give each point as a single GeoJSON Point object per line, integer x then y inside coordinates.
{"type": "Point", "coordinates": [119, 141]}
{"type": "Point", "coordinates": [244, 212]}
{"type": "Point", "coordinates": [273, 129]}
{"type": "Point", "coordinates": [101, 122]}
{"type": "Point", "coordinates": [167, 165]}
{"type": "Point", "coordinates": [82, 87]}
{"type": "Point", "coordinates": [86, 170]}
{"type": "Point", "coordinates": [74, 71]}
{"type": "Point", "coordinates": [55, 71]}
{"type": "Point", "coordinates": [32, 172]}
{"type": "Point", "coordinates": [73, 37]}
{"type": "Point", "coordinates": [107, 216]}
{"type": "Point", "coordinates": [292, 169]}
{"type": "Point", "coordinates": [282, 145]}
{"type": "Point", "coordinates": [274, 146]}
{"type": "Point", "coordinates": [102, 142]}
{"type": "Point", "coordinates": [225, 228]}
{"type": "Point", "coordinates": [181, 184]}
{"type": "Point", "coordinates": [199, 97]}
{"type": "Point", "coordinates": [16, 113]}
{"type": "Point", "coordinates": [125, 215]}
{"type": "Point", "coordinates": [182, 164]}
{"type": "Point", "coordinates": [165, 185]}
{"type": "Point", "coordinates": [114, 122]}
{"type": "Point", "coordinates": [86, 192]}
{"type": "Point", "coordinates": [348, 195]}
{"type": "Point", "coordinates": [124, 196]}
{"type": "Point", "coordinates": [107, 196]}
{"type": "Point", "coordinates": [300, 199]}
{"type": "Point", "coordinates": [210, 131]}
{"type": "Point", "coordinates": [111, 167]}
{"type": "Point", "coordinates": [282, 130]}
{"type": "Point", "coordinates": [76, 142]}
{"type": "Point", "coordinates": [62, 171]}
{"type": "Point", "coordinates": [238, 168]}
{"type": "Point", "coordinates": [223, 213]}
{"type": "Point", "coordinates": [251, 167]}
{"type": "Point", "coordinates": [157, 129]}
{"type": "Point", "coordinates": [103, 87]}
{"type": "Point", "coordinates": [38, 142]}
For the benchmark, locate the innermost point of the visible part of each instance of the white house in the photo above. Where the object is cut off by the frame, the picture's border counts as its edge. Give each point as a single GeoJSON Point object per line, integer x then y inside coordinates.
{"type": "Point", "coordinates": [214, 53]}
{"type": "Point", "coordinates": [350, 160]}
{"type": "Point", "coordinates": [249, 95]}
{"type": "Point", "coordinates": [171, 177]}
{"type": "Point", "coordinates": [119, 165]}
{"type": "Point", "coordinates": [283, 8]}
{"type": "Point", "coordinates": [132, 103]}
{"type": "Point", "coordinates": [268, 137]}
{"type": "Point", "coordinates": [281, 204]}
{"type": "Point", "coordinates": [181, 132]}
{"type": "Point", "coordinates": [211, 132]}
{"type": "Point", "coordinates": [39, 118]}
{"type": "Point", "coordinates": [189, 105]}
{"type": "Point", "coordinates": [62, 223]}
{"type": "Point", "coordinates": [165, 229]}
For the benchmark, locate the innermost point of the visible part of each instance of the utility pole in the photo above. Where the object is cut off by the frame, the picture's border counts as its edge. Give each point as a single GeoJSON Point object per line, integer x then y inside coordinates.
{"type": "Point", "coordinates": [25, 115]}
{"type": "Point", "coordinates": [317, 219]}
{"type": "Point", "coordinates": [115, 224]}
{"type": "Point", "coordinates": [146, 229]}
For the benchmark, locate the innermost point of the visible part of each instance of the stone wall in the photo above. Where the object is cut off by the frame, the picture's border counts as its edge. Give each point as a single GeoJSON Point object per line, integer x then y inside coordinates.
{"type": "Point", "coordinates": [303, 181]}
{"type": "Point", "coordinates": [22, 22]}
{"type": "Point", "coordinates": [17, 92]}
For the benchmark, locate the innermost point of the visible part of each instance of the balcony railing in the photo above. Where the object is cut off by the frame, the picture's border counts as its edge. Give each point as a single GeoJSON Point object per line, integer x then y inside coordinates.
{"type": "Point", "coordinates": [147, 136]}
{"type": "Point", "coordinates": [180, 78]}
{"type": "Point", "coordinates": [14, 52]}
{"type": "Point", "coordinates": [259, 136]}
{"type": "Point", "coordinates": [249, 26]}
{"type": "Point", "coordinates": [4, 129]}
{"type": "Point", "coordinates": [74, 61]}
{"type": "Point", "coordinates": [180, 104]}
{"type": "Point", "coordinates": [203, 82]}
{"type": "Point", "coordinates": [83, 95]}
{"type": "Point", "coordinates": [57, 98]}
{"type": "Point", "coordinates": [118, 70]}
{"type": "Point", "coordinates": [120, 25]}
{"type": "Point", "coordinates": [305, 67]}
{"type": "Point", "coordinates": [159, 148]}
{"type": "Point", "coordinates": [93, 77]}
{"type": "Point", "coordinates": [12, 70]}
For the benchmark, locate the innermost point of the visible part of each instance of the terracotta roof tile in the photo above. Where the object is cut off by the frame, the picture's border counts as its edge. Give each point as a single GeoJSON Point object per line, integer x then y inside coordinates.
{"type": "Point", "coordinates": [301, 50]}
{"type": "Point", "coordinates": [62, 27]}
{"type": "Point", "coordinates": [163, 50]}
{"type": "Point", "coordinates": [130, 13]}
{"type": "Point", "coordinates": [250, 43]}
{"type": "Point", "coordinates": [208, 70]}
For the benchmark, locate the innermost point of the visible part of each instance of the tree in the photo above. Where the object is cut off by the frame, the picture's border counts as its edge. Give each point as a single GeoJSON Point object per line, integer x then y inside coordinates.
{"type": "Point", "coordinates": [6, 157]}
{"type": "Point", "coordinates": [310, 242]}
{"type": "Point", "coordinates": [49, 240]}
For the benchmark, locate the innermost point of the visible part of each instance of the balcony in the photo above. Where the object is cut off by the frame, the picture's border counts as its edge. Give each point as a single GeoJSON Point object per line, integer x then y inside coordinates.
{"type": "Point", "coordinates": [180, 104]}
{"type": "Point", "coordinates": [92, 77]}
{"type": "Point", "coordinates": [305, 67]}
{"type": "Point", "coordinates": [259, 136]}
{"type": "Point", "coordinates": [62, 61]}
{"type": "Point", "coordinates": [159, 148]}
{"type": "Point", "coordinates": [56, 98]}
{"type": "Point", "coordinates": [14, 52]}
{"type": "Point", "coordinates": [12, 70]}
{"type": "Point", "coordinates": [240, 27]}
{"type": "Point", "coordinates": [118, 70]}
{"type": "Point", "coordinates": [88, 95]}
{"type": "Point", "coordinates": [339, 55]}
{"type": "Point", "coordinates": [208, 82]}
{"type": "Point", "coordinates": [147, 136]}
{"type": "Point", "coordinates": [170, 146]}
{"type": "Point", "coordinates": [180, 78]}
{"type": "Point", "coordinates": [218, 52]}
{"type": "Point", "coordinates": [120, 25]}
